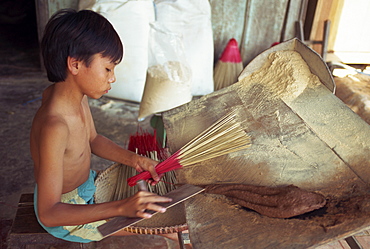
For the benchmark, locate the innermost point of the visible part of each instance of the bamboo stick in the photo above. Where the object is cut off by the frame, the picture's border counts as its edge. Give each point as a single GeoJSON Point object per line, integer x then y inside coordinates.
{"type": "Point", "coordinates": [224, 136]}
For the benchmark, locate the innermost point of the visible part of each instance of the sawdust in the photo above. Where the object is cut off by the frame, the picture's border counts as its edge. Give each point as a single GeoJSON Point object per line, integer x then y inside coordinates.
{"type": "Point", "coordinates": [285, 74]}
{"type": "Point", "coordinates": [167, 86]}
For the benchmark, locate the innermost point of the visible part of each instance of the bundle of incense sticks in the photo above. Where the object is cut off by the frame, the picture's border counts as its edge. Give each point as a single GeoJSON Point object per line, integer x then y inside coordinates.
{"type": "Point", "coordinates": [122, 190]}
{"type": "Point", "coordinates": [144, 144]}
{"type": "Point", "coordinates": [228, 67]}
{"type": "Point", "coordinates": [223, 137]}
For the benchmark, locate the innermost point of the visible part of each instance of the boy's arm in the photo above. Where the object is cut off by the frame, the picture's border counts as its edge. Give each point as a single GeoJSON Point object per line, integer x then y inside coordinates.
{"type": "Point", "coordinates": [106, 148]}
{"type": "Point", "coordinates": [52, 142]}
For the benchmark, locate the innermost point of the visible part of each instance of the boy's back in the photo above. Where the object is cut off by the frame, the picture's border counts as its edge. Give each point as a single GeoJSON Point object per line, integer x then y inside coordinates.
{"type": "Point", "coordinates": [58, 125]}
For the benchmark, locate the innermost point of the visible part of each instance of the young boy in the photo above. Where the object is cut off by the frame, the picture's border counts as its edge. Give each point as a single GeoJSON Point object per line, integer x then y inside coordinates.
{"type": "Point", "coordinates": [80, 51]}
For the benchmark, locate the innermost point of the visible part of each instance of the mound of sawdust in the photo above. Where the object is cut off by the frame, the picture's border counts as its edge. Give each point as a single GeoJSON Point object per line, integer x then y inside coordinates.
{"type": "Point", "coordinates": [167, 86]}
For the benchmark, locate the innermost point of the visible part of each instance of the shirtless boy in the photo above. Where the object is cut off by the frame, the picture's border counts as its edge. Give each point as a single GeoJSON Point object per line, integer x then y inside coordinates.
{"type": "Point", "coordinates": [80, 51]}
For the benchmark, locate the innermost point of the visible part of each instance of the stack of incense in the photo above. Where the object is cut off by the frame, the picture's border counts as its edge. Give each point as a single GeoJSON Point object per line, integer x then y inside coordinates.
{"type": "Point", "coordinates": [223, 137]}
{"type": "Point", "coordinates": [144, 144]}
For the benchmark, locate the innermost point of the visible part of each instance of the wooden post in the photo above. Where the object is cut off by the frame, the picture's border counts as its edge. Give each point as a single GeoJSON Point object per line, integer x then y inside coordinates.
{"type": "Point", "coordinates": [42, 17]}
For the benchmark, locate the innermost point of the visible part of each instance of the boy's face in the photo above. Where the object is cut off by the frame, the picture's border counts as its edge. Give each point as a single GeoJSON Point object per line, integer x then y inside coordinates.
{"type": "Point", "coordinates": [96, 79]}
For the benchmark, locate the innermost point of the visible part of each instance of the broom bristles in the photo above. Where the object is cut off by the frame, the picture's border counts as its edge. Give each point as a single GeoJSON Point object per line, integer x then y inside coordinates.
{"type": "Point", "coordinates": [228, 67]}
{"type": "Point", "coordinates": [226, 74]}
{"type": "Point", "coordinates": [223, 137]}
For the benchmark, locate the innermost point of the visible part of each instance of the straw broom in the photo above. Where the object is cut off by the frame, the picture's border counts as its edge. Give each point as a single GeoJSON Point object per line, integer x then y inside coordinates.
{"type": "Point", "coordinates": [228, 67]}
{"type": "Point", "coordinates": [223, 137]}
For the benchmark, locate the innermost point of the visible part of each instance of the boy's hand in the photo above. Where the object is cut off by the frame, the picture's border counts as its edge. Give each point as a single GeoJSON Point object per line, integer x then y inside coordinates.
{"type": "Point", "coordinates": [147, 164]}
{"type": "Point", "coordinates": [136, 205]}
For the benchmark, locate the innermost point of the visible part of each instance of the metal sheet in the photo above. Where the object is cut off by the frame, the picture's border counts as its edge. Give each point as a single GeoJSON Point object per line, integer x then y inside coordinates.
{"type": "Point", "coordinates": [178, 195]}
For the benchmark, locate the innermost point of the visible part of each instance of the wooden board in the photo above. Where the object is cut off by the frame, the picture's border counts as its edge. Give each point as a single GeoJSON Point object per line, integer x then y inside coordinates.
{"type": "Point", "coordinates": [312, 140]}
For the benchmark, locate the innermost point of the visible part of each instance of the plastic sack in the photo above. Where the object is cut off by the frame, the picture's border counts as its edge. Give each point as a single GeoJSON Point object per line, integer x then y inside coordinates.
{"type": "Point", "coordinates": [192, 19]}
{"type": "Point", "coordinates": [168, 81]}
{"type": "Point", "coordinates": [131, 20]}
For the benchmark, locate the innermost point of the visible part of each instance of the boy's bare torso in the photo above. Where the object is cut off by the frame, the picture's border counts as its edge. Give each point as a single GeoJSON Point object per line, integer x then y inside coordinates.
{"type": "Point", "coordinates": [77, 154]}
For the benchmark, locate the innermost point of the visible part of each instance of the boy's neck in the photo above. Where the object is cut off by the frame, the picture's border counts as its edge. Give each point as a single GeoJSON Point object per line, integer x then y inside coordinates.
{"type": "Point", "coordinates": [68, 93]}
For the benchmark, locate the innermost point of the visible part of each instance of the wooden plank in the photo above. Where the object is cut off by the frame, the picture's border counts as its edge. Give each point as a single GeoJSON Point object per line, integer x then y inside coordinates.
{"type": "Point", "coordinates": [42, 14]}
{"type": "Point", "coordinates": [322, 13]}
{"type": "Point", "coordinates": [27, 233]}
{"type": "Point", "coordinates": [25, 222]}
{"type": "Point", "coordinates": [334, 17]}
{"type": "Point", "coordinates": [341, 129]}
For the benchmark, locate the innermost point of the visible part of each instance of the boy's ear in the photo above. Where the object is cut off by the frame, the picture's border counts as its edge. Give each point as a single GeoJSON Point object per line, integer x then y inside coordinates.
{"type": "Point", "coordinates": [73, 65]}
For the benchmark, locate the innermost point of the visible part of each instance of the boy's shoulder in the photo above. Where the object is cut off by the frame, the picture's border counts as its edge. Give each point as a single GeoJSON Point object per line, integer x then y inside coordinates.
{"type": "Point", "coordinates": [47, 115]}
{"type": "Point", "coordinates": [49, 122]}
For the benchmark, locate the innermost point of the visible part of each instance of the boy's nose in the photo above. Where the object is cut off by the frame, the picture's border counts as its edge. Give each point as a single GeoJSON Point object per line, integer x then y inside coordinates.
{"type": "Point", "coordinates": [112, 79]}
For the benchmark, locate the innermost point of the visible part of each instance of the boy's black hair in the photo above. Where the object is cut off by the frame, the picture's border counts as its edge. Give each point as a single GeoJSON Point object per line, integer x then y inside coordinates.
{"type": "Point", "coordinates": [78, 34]}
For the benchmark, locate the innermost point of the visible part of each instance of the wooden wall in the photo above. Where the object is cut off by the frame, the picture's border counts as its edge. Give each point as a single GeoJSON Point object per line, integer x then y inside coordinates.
{"type": "Point", "coordinates": [255, 24]}
{"type": "Point", "coordinates": [46, 8]}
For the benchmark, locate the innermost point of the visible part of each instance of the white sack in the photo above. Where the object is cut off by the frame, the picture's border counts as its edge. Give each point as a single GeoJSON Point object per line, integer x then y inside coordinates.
{"type": "Point", "coordinates": [131, 20]}
{"type": "Point", "coordinates": [168, 81]}
{"type": "Point", "coordinates": [192, 19]}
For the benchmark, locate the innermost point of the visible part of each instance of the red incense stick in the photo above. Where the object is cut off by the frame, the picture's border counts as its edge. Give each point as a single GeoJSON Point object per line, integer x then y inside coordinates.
{"type": "Point", "coordinates": [223, 137]}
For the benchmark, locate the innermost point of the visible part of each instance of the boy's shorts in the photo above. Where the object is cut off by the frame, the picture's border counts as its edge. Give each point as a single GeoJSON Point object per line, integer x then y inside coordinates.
{"type": "Point", "coordinates": [84, 194]}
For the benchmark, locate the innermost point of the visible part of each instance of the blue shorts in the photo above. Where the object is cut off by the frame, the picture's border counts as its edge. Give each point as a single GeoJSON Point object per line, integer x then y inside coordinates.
{"type": "Point", "coordinates": [84, 194]}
